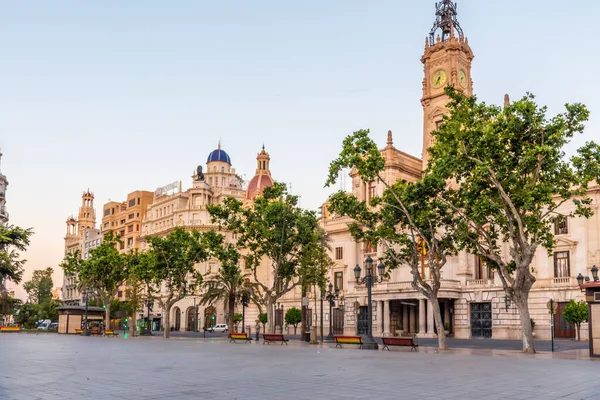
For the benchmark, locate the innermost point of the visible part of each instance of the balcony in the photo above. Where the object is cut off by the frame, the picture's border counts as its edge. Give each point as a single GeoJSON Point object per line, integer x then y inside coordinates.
{"type": "Point", "coordinates": [480, 283]}
{"type": "Point", "coordinates": [554, 283]}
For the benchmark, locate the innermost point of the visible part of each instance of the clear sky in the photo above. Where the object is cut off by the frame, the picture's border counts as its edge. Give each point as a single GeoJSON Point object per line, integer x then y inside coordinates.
{"type": "Point", "coordinates": [117, 96]}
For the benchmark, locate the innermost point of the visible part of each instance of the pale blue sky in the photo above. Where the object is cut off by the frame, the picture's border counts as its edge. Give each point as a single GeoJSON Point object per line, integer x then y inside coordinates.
{"type": "Point", "coordinates": [118, 96]}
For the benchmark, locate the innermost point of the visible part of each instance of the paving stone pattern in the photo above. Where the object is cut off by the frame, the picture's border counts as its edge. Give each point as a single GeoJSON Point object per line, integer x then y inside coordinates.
{"type": "Point", "coordinates": [72, 367]}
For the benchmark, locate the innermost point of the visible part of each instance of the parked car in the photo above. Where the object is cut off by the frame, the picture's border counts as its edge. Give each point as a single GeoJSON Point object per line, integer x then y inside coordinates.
{"type": "Point", "coordinates": [53, 326]}
{"type": "Point", "coordinates": [218, 328]}
{"type": "Point", "coordinates": [44, 325]}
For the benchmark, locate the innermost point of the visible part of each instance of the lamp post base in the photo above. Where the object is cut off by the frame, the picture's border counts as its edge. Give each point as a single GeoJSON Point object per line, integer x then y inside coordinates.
{"type": "Point", "coordinates": [329, 338]}
{"type": "Point", "coordinates": [369, 343]}
{"type": "Point", "coordinates": [86, 333]}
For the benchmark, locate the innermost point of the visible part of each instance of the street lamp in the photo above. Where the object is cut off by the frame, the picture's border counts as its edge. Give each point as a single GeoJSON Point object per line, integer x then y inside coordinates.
{"type": "Point", "coordinates": [331, 296]}
{"type": "Point", "coordinates": [580, 277]}
{"type": "Point", "coordinates": [86, 298]}
{"type": "Point", "coordinates": [149, 305]}
{"type": "Point", "coordinates": [369, 280]}
{"type": "Point", "coordinates": [245, 301]}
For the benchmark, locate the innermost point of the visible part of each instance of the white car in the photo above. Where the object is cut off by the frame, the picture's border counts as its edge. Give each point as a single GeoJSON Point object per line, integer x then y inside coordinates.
{"type": "Point", "coordinates": [218, 328]}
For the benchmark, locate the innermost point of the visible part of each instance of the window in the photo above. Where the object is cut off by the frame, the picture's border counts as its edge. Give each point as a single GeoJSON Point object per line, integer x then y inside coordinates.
{"type": "Point", "coordinates": [130, 242]}
{"type": "Point", "coordinates": [482, 271]}
{"type": "Point", "coordinates": [137, 215]}
{"type": "Point", "coordinates": [120, 293]}
{"type": "Point", "coordinates": [372, 190]}
{"type": "Point", "coordinates": [121, 246]}
{"type": "Point", "coordinates": [138, 200]}
{"type": "Point", "coordinates": [106, 224]}
{"type": "Point", "coordinates": [97, 242]}
{"type": "Point", "coordinates": [130, 229]}
{"type": "Point", "coordinates": [122, 233]}
{"type": "Point", "coordinates": [339, 280]}
{"type": "Point", "coordinates": [131, 202]}
{"type": "Point", "coordinates": [339, 253]}
{"type": "Point", "coordinates": [137, 227]}
{"type": "Point", "coordinates": [107, 212]}
{"type": "Point", "coordinates": [123, 222]}
{"type": "Point", "coordinates": [562, 265]}
{"type": "Point", "coordinates": [561, 226]}
{"type": "Point", "coordinates": [131, 216]}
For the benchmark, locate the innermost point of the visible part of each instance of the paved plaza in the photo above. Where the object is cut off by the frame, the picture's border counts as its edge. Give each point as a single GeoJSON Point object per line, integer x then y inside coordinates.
{"type": "Point", "coordinates": [54, 366]}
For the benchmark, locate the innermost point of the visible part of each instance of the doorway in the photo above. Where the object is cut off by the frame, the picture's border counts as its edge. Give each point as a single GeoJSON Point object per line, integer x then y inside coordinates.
{"type": "Point", "coordinates": [177, 318]}
{"type": "Point", "coordinates": [363, 321]}
{"type": "Point", "coordinates": [562, 329]}
{"type": "Point", "coordinates": [481, 320]}
{"type": "Point", "coordinates": [338, 321]}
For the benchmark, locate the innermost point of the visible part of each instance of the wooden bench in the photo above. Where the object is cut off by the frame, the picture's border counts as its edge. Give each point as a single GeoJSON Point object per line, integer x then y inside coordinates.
{"type": "Point", "coordinates": [10, 329]}
{"type": "Point", "coordinates": [79, 331]}
{"type": "Point", "coordinates": [400, 341]}
{"type": "Point", "coordinates": [234, 337]}
{"type": "Point", "coordinates": [268, 337]}
{"type": "Point", "coordinates": [339, 340]}
{"type": "Point", "coordinates": [110, 332]}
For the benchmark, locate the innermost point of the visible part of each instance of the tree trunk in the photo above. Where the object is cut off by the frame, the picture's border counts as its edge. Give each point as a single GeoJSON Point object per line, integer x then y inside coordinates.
{"type": "Point", "coordinates": [521, 301]}
{"type": "Point", "coordinates": [303, 321]}
{"type": "Point", "coordinates": [439, 324]}
{"type": "Point", "coordinates": [578, 332]}
{"type": "Point", "coordinates": [167, 321]}
{"type": "Point", "coordinates": [270, 322]}
{"type": "Point", "coordinates": [231, 313]}
{"type": "Point", "coordinates": [295, 326]}
{"type": "Point", "coordinates": [134, 322]}
{"type": "Point", "coordinates": [107, 315]}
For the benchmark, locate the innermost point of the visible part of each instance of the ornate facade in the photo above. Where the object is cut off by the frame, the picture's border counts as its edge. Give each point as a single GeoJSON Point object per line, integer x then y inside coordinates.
{"type": "Point", "coordinates": [82, 235]}
{"type": "Point", "coordinates": [472, 300]}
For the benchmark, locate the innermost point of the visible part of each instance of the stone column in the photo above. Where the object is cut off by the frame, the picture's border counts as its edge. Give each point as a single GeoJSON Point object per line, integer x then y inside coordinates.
{"type": "Point", "coordinates": [430, 329]}
{"type": "Point", "coordinates": [412, 316]}
{"type": "Point", "coordinates": [386, 318]}
{"type": "Point", "coordinates": [405, 325]}
{"type": "Point", "coordinates": [380, 312]}
{"type": "Point", "coordinates": [422, 321]}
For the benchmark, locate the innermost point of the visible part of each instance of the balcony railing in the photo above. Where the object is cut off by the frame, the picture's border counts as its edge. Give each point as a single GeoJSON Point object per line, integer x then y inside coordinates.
{"type": "Point", "coordinates": [566, 282]}
{"type": "Point", "coordinates": [480, 282]}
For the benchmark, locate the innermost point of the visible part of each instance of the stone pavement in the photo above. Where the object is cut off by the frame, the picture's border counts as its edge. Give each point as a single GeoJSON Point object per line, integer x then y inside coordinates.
{"type": "Point", "coordinates": [73, 367]}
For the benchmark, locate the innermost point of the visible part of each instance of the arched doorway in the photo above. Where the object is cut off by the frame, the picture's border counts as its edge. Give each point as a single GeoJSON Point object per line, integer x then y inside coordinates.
{"type": "Point", "coordinates": [210, 317]}
{"type": "Point", "coordinates": [191, 319]}
{"type": "Point", "coordinates": [177, 315]}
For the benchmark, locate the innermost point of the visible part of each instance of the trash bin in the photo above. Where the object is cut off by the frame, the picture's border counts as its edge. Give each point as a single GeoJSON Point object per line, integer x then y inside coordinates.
{"type": "Point", "coordinates": [307, 336]}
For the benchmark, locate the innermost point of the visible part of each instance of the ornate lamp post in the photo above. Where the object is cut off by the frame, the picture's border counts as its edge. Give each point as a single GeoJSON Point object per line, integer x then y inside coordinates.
{"type": "Point", "coordinates": [86, 298]}
{"type": "Point", "coordinates": [331, 296]}
{"type": "Point", "coordinates": [580, 277]}
{"type": "Point", "coordinates": [149, 305]}
{"type": "Point", "coordinates": [245, 301]}
{"type": "Point", "coordinates": [369, 280]}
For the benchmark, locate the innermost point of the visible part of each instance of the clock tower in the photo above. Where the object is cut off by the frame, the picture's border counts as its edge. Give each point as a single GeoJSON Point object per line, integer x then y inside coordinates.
{"type": "Point", "coordinates": [447, 61]}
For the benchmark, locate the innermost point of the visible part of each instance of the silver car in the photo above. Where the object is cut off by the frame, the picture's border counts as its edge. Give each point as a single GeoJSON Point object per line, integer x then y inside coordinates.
{"type": "Point", "coordinates": [218, 328]}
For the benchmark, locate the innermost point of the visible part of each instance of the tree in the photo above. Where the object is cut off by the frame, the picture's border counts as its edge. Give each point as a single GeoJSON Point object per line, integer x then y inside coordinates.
{"type": "Point", "coordinates": [12, 240]}
{"type": "Point", "coordinates": [513, 177]}
{"type": "Point", "coordinates": [103, 272]}
{"type": "Point", "coordinates": [39, 288]}
{"type": "Point", "coordinates": [168, 268]}
{"type": "Point", "coordinates": [28, 315]}
{"type": "Point", "coordinates": [272, 230]}
{"type": "Point", "coordinates": [135, 299]}
{"type": "Point", "coordinates": [263, 318]}
{"type": "Point", "coordinates": [8, 306]}
{"type": "Point", "coordinates": [408, 219]}
{"type": "Point", "coordinates": [237, 318]}
{"type": "Point", "coordinates": [229, 284]}
{"type": "Point", "coordinates": [293, 317]}
{"type": "Point", "coordinates": [576, 313]}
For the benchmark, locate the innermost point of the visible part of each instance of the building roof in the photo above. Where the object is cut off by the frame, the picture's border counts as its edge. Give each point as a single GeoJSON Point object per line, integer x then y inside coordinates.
{"type": "Point", "coordinates": [219, 155]}
{"type": "Point", "coordinates": [257, 185]}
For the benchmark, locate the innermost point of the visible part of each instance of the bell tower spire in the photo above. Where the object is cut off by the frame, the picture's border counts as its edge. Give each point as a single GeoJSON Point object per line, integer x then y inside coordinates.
{"type": "Point", "coordinates": [446, 62]}
{"type": "Point", "coordinates": [446, 21]}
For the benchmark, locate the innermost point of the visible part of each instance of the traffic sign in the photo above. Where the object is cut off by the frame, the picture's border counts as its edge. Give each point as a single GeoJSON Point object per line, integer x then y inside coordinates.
{"type": "Point", "coordinates": [552, 306]}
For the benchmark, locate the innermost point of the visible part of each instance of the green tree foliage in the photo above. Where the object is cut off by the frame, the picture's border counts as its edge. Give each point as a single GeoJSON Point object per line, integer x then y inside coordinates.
{"type": "Point", "coordinates": [167, 269]}
{"type": "Point", "coordinates": [293, 317]}
{"type": "Point", "coordinates": [103, 272]}
{"type": "Point", "coordinates": [39, 288]}
{"type": "Point", "coordinates": [8, 305]}
{"type": "Point", "coordinates": [28, 315]}
{"type": "Point", "coordinates": [407, 219]}
{"type": "Point", "coordinates": [513, 177]}
{"type": "Point", "coordinates": [576, 313]}
{"type": "Point", "coordinates": [229, 283]}
{"type": "Point", "coordinates": [12, 241]}
{"type": "Point", "coordinates": [263, 318]}
{"type": "Point", "coordinates": [272, 230]}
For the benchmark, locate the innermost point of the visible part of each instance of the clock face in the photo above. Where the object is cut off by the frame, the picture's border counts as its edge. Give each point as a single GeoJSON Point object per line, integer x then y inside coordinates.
{"type": "Point", "coordinates": [462, 78]}
{"type": "Point", "coordinates": [439, 79]}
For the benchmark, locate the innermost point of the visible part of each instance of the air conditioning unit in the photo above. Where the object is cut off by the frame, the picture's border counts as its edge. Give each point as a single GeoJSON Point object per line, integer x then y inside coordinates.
{"type": "Point", "coordinates": [597, 296]}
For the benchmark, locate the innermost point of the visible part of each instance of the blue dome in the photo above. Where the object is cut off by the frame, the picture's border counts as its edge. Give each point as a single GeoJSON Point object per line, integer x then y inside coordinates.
{"type": "Point", "coordinates": [219, 155]}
